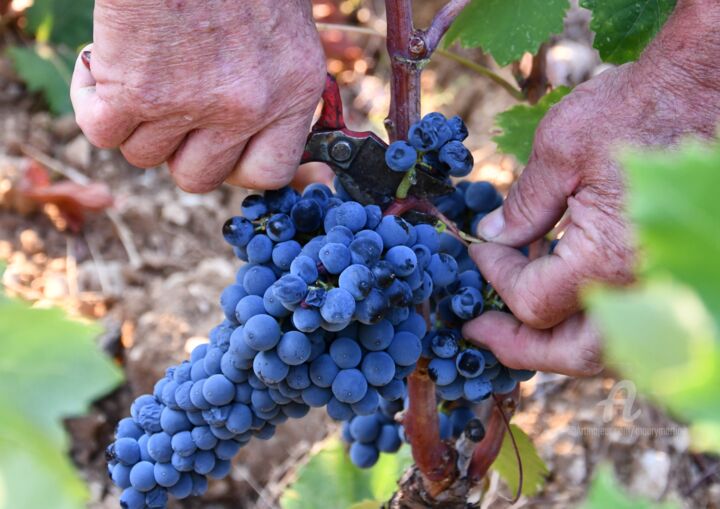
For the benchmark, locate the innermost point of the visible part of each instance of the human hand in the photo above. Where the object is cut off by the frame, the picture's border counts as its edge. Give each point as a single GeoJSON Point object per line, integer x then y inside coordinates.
{"type": "Point", "coordinates": [572, 170]}
{"type": "Point", "coordinates": [221, 91]}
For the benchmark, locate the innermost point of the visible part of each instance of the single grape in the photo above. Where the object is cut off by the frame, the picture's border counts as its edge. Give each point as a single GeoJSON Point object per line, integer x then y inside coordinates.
{"type": "Point", "coordinates": [294, 348]}
{"type": "Point", "coordinates": [470, 363]}
{"type": "Point", "coordinates": [405, 348]}
{"type": "Point", "coordinates": [335, 257]}
{"type": "Point", "coordinates": [218, 390]}
{"type": "Point", "coordinates": [238, 231]}
{"type": "Point", "coordinates": [352, 215]}
{"type": "Point", "coordinates": [305, 268]}
{"type": "Point", "coordinates": [388, 439]}
{"type": "Point", "coordinates": [365, 428]}
{"type": "Point", "coordinates": [346, 353]}
{"type": "Point", "coordinates": [467, 303]}
{"type": "Point", "coordinates": [358, 280]}
{"type": "Point", "coordinates": [378, 336]}
{"type": "Point", "coordinates": [378, 368]}
{"type": "Point", "coordinates": [142, 476]}
{"type": "Point", "coordinates": [131, 498]}
{"type": "Point", "coordinates": [401, 156]}
{"type": "Point", "coordinates": [363, 455]}
{"type": "Point", "coordinates": [306, 319]}
{"type": "Point", "coordinates": [165, 474]}
{"type": "Point", "coordinates": [482, 197]}
{"type": "Point", "coordinates": [339, 306]}
{"type": "Point", "coordinates": [258, 279]}
{"type": "Point", "coordinates": [349, 386]}
{"type": "Point", "coordinates": [403, 260]}
{"type": "Point", "coordinates": [127, 451]}
{"type": "Point", "coordinates": [259, 249]}
{"type": "Point", "coordinates": [307, 215]}
{"type": "Point", "coordinates": [442, 371]}
{"type": "Point", "coordinates": [394, 231]}
{"type": "Point", "coordinates": [261, 332]}
{"type": "Point", "coordinates": [323, 371]}
{"type": "Point", "coordinates": [254, 207]}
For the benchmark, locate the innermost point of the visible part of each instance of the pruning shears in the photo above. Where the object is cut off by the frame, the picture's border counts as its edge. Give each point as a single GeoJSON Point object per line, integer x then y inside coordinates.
{"type": "Point", "coordinates": [358, 158]}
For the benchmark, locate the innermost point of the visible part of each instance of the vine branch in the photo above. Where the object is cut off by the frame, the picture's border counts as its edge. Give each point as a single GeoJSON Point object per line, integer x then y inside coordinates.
{"type": "Point", "coordinates": [441, 23]}
{"type": "Point", "coordinates": [469, 64]}
{"type": "Point", "coordinates": [402, 41]}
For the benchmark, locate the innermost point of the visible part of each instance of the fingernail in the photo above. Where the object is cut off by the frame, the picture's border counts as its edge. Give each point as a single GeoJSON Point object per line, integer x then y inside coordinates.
{"type": "Point", "coordinates": [492, 225]}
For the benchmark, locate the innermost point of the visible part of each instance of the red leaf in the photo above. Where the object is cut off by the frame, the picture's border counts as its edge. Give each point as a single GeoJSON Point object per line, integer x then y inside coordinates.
{"type": "Point", "coordinates": [73, 200]}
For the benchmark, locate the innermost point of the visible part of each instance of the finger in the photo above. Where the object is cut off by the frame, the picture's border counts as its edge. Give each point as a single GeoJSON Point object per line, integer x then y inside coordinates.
{"type": "Point", "coordinates": [541, 292]}
{"type": "Point", "coordinates": [205, 159]}
{"type": "Point", "coordinates": [571, 348]}
{"type": "Point", "coordinates": [152, 143]}
{"type": "Point", "coordinates": [104, 125]}
{"type": "Point", "coordinates": [311, 173]}
{"type": "Point", "coordinates": [596, 246]}
{"type": "Point", "coordinates": [533, 206]}
{"type": "Point", "coordinates": [273, 155]}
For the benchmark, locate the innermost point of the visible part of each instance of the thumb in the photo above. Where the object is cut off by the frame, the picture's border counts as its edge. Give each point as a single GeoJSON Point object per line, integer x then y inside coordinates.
{"type": "Point", "coordinates": [535, 204]}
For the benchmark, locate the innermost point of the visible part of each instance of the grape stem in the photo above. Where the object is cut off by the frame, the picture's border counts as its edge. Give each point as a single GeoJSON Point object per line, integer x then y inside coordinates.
{"type": "Point", "coordinates": [402, 205]}
{"type": "Point", "coordinates": [488, 449]}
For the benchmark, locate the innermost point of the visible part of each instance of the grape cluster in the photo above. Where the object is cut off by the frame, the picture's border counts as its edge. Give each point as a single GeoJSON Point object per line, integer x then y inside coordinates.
{"type": "Point", "coordinates": [322, 314]}
{"type": "Point", "coordinates": [436, 144]}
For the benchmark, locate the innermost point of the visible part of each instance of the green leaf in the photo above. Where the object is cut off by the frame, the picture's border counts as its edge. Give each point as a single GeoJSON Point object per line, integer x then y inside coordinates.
{"type": "Point", "coordinates": [662, 335]}
{"type": "Point", "coordinates": [534, 469]}
{"type": "Point", "coordinates": [624, 27]}
{"type": "Point", "coordinates": [331, 481]}
{"type": "Point", "coordinates": [33, 470]}
{"type": "Point", "coordinates": [50, 368]}
{"type": "Point", "coordinates": [507, 28]}
{"type": "Point", "coordinates": [675, 207]}
{"type": "Point", "coordinates": [605, 492]}
{"type": "Point", "coordinates": [519, 123]}
{"type": "Point", "coordinates": [45, 70]}
{"type": "Point", "coordinates": [67, 22]}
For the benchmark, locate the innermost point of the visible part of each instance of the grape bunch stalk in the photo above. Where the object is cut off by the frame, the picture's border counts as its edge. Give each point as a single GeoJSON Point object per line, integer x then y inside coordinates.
{"type": "Point", "coordinates": [323, 313]}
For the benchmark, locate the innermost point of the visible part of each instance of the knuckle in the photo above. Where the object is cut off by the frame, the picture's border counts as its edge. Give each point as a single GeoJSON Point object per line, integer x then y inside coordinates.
{"type": "Point", "coordinates": [193, 184]}
{"type": "Point", "coordinates": [251, 106]}
{"type": "Point", "coordinates": [588, 360]}
{"type": "Point", "coordinates": [140, 159]}
{"type": "Point", "coordinates": [265, 177]}
{"type": "Point", "coordinates": [96, 133]}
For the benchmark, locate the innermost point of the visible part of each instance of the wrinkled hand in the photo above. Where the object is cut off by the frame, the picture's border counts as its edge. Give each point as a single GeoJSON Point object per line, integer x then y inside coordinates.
{"type": "Point", "coordinates": [572, 171]}
{"type": "Point", "coordinates": [219, 90]}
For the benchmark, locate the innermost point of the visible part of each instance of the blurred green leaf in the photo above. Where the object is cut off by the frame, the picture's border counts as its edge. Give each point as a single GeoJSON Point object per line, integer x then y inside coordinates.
{"type": "Point", "coordinates": [624, 27]}
{"type": "Point", "coordinates": [519, 123]}
{"type": "Point", "coordinates": [664, 332]}
{"type": "Point", "coordinates": [331, 481]}
{"type": "Point", "coordinates": [662, 336]}
{"type": "Point", "coordinates": [675, 207]}
{"type": "Point", "coordinates": [606, 492]}
{"type": "Point", "coordinates": [50, 370]}
{"type": "Point", "coordinates": [534, 469]}
{"type": "Point", "coordinates": [66, 22]}
{"type": "Point", "coordinates": [507, 28]}
{"type": "Point", "coordinates": [47, 71]}
{"type": "Point", "coordinates": [33, 469]}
